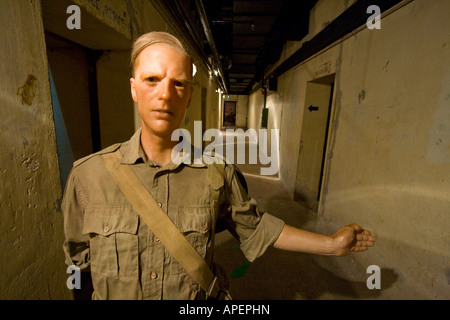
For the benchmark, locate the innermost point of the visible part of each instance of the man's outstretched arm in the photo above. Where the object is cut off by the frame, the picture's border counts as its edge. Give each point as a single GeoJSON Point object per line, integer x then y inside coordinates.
{"type": "Point", "coordinates": [350, 238]}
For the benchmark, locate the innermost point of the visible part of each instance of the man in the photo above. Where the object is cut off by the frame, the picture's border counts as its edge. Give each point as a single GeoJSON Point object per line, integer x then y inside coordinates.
{"type": "Point", "coordinates": [106, 236]}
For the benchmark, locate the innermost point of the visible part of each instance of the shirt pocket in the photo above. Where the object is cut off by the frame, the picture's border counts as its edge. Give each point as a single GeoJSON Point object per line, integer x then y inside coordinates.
{"type": "Point", "coordinates": [113, 241]}
{"type": "Point", "coordinates": [194, 222]}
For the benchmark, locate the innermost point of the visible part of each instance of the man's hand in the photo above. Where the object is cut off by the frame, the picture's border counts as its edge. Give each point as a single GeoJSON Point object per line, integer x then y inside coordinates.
{"type": "Point", "coordinates": [352, 238]}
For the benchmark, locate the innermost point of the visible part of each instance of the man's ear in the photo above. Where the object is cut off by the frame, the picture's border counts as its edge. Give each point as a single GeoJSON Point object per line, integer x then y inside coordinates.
{"type": "Point", "coordinates": [133, 89]}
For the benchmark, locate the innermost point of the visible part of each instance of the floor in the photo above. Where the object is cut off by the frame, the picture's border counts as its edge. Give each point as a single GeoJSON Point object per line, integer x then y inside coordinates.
{"type": "Point", "coordinates": [278, 274]}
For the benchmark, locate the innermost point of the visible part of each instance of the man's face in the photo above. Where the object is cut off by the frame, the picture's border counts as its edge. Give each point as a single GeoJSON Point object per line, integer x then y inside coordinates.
{"type": "Point", "coordinates": [161, 87]}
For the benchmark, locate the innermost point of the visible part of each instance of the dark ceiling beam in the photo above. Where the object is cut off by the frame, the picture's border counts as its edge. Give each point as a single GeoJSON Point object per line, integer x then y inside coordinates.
{"type": "Point", "coordinates": [256, 14]}
{"type": "Point", "coordinates": [244, 68]}
{"type": "Point", "coordinates": [257, 6]}
{"type": "Point", "coordinates": [245, 53]}
{"type": "Point", "coordinates": [249, 34]}
{"type": "Point", "coordinates": [241, 75]}
{"type": "Point", "coordinates": [249, 51]}
{"type": "Point", "coordinates": [351, 19]}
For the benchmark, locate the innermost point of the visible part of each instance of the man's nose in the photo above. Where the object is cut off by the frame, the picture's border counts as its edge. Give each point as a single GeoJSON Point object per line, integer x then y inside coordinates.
{"type": "Point", "coordinates": [165, 90]}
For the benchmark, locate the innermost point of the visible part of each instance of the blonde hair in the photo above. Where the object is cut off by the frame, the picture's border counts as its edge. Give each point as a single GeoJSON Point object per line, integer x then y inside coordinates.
{"type": "Point", "coordinates": [151, 38]}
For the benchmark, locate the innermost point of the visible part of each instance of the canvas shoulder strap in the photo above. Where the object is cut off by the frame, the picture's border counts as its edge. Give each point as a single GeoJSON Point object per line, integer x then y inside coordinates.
{"type": "Point", "coordinates": [160, 224]}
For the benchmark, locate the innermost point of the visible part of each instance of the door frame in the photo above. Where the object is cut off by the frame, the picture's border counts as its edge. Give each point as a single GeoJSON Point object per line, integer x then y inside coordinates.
{"type": "Point", "coordinates": [309, 197]}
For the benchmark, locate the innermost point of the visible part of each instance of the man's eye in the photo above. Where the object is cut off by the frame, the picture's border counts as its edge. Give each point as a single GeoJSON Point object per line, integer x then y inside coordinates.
{"type": "Point", "coordinates": [179, 84]}
{"type": "Point", "coordinates": [151, 79]}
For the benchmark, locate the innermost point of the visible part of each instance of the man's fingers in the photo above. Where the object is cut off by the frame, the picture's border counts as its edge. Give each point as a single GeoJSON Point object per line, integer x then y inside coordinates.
{"type": "Point", "coordinates": [362, 234]}
{"type": "Point", "coordinates": [359, 249]}
{"type": "Point", "coordinates": [365, 237]}
{"type": "Point", "coordinates": [363, 244]}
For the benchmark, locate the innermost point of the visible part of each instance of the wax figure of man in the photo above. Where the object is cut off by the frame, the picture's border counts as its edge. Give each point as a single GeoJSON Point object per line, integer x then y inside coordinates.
{"type": "Point", "coordinates": [105, 236]}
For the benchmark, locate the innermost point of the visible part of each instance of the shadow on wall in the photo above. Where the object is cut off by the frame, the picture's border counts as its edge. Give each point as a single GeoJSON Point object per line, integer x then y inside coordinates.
{"type": "Point", "coordinates": [411, 226]}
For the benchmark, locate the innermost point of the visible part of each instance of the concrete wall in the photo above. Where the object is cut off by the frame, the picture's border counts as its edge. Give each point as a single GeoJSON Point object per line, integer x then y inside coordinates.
{"type": "Point", "coordinates": [32, 261]}
{"type": "Point", "coordinates": [388, 152]}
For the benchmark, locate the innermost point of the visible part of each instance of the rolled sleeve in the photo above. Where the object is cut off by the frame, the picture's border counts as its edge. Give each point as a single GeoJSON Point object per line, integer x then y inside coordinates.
{"type": "Point", "coordinates": [265, 235]}
{"type": "Point", "coordinates": [256, 230]}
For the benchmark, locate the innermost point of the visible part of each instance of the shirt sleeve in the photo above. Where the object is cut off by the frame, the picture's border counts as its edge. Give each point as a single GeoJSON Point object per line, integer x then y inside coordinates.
{"type": "Point", "coordinates": [256, 230]}
{"type": "Point", "coordinates": [76, 244]}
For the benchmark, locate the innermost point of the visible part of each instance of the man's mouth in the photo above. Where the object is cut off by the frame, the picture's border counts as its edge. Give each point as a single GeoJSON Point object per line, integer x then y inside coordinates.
{"type": "Point", "coordinates": [162, 114]}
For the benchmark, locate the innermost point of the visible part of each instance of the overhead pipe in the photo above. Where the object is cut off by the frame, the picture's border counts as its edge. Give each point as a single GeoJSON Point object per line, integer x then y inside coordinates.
{"type": "Point", "coordinates": [210, 39]}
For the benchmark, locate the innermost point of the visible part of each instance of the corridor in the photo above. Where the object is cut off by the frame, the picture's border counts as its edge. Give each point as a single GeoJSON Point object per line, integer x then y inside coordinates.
{"type": "Point", "coordinates": [347, 103]}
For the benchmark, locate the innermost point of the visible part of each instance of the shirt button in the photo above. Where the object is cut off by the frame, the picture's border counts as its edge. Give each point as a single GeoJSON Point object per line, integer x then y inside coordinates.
{"type": "Point", "coordinates": [156, 239]}
{"type": "Point", "coordinates": [160, 204]}
{"type": "Point", "coordinates": [204, 227]}
{"type": "Point", "coordinates": [154, 275]}
{"type": "Point", "coordinates": [105, 228]}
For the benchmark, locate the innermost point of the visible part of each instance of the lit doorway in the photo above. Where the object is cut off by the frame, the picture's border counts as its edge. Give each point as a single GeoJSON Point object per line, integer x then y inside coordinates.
{"type": "Point", "coordinates": [229, 114]}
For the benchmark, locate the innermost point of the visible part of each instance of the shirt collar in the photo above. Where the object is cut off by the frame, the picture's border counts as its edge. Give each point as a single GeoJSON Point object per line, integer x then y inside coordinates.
{"type": "Point", "coordinates": [135, 154]}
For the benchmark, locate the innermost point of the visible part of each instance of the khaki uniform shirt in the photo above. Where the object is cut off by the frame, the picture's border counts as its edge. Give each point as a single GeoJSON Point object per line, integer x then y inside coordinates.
{"type": "Point", "coordinates": [106, 236]}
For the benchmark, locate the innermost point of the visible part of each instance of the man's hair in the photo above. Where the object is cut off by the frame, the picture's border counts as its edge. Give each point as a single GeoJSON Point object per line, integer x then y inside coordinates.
{"type": "Point", "coordinates": [151, 38]}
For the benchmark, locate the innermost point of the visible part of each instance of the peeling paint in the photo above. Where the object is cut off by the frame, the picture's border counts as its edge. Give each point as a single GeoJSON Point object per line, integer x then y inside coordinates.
{"type": "Point", "coordinates": [30, 165]}
{"type": "Point", "coordinates": [385, 68]}
{"type": "Point", "coordinates": [25, 142]}
{"type": "Point", "coordinates": [28, 90]}
{"type": "Point", "coordinates": [361, 96]}
{"type": "Point", "coordinates": [57, 204]}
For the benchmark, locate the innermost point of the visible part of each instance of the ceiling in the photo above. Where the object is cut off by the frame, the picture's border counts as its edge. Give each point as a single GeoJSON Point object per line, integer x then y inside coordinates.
{"type": "Point", "coordinates": [248, 36]}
